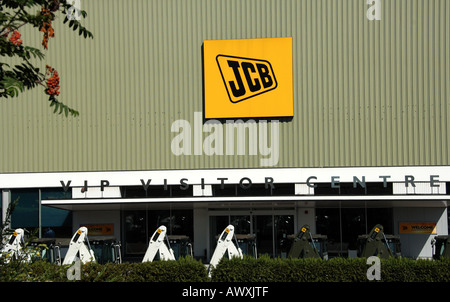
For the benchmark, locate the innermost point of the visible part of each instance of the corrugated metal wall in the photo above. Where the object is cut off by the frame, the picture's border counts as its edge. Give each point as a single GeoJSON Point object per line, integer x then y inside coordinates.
{"type": "Point", "coordinates": [366, 93]}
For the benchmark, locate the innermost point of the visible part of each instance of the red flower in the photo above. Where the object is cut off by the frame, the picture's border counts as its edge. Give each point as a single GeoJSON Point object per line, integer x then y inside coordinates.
{"type": "Point", "coordinates": [14, 39]}
{"type": "Point", "coordinates": [52, 82]}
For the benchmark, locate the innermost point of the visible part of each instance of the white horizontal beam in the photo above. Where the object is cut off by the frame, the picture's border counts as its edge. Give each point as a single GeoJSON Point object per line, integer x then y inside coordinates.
{"type": "Point", "coordinates": [216, 176]}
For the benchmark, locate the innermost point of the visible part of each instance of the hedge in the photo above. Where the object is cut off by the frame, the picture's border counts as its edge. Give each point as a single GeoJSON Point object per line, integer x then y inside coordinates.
{"type": "Point", "coordinates": [263, 269]}
{"type": "Point", "coordinates": [183, 270]}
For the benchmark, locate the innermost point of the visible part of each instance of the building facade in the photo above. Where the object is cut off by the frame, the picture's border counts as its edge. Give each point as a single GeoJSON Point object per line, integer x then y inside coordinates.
{"type": "Point", "coordinates": [265, 114]}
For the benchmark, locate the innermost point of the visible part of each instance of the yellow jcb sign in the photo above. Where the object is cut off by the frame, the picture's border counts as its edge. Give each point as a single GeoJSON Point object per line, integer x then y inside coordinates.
{"type": "Point", "coordinates": [246, 78]}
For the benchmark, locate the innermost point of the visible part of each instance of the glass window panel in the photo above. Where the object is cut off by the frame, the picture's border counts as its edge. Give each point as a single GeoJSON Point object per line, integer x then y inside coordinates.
{"type": "Point", "coordinates": [284, 226]}
{"type": "Point", "coordinates": [264, 234]}
{"type": "Point", "coordinates": [182, 223]}
{"type": "Point", "coordinates": [178, 222]}
{"type": "Point", "coordinates": [241, 224]}
{"type": "Point", "coordinates": [55, 193]}
{"type": "Point", "coordinates": [26, 212]}
{"type": "Point", "coordinates": [216, 226]}
{"type": "Point", "coordinates": [353, 225]}
{"type": "Point", "coordinates": [383, 216]}
{"type": "Point", "coordinates": [53, 217]}
{"type": "Point", "coordinates": [157, 218]}
{"type": "Point", "coordinates": [343, 226]}
{"type": "Point", "coordinates": [327, 223]}
{"type": "Point", "coordinates": [135, 232]}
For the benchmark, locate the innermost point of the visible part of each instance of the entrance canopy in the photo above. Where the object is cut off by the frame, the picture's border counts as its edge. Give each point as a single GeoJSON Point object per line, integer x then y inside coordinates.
{"type": "Point", "coordinates": [253, 202]}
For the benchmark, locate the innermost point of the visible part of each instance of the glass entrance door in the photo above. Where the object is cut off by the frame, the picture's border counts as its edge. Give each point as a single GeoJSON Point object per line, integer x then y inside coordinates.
{"type": "Point", "coordinates": [269, 232]}
{"type": "Point", "coordinates": [242, 227]}
{"type": "Point", "coordinates": [264, 234]}
{"type": "Point", "coordinates": [283, 227]}
{"type": "Point", "coordinates": [272, 233]}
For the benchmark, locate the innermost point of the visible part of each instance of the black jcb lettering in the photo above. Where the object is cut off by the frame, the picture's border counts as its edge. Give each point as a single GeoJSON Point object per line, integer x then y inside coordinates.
{"type": "Point", "coordinates": [238, 88]}
{"type": "Point", "coordinates": [264, 75]}
{"type": "Point", "coordinates": [237, 92]}
{"type": "Point", "coordinates": [245, 78]}
{"type": "Point", "coordinates": [246, 66]}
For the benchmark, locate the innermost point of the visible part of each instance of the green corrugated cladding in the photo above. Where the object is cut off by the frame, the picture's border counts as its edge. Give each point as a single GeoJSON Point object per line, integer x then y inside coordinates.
{"type": "Point", "coordinates": [366, 93]}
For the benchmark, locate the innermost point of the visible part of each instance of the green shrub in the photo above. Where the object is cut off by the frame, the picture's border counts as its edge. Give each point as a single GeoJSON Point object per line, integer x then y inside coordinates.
{"type": "Point", "coordinates": [38, 271]}
{"type": "Point", "coordinates": [183, 270]}
{"type": "Point", "coordinates": [263, 269]}
{"type": "Point", "coordinates": [409, 270]}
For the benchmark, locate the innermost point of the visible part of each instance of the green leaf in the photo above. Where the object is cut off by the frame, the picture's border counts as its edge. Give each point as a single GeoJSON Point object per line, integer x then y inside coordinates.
{"type": "Point", "coordinates": [62, 108]}
{"type": "Point", "coordinates": [35, 52]}
{"type": "Point", "coordinates": [12, 86]}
